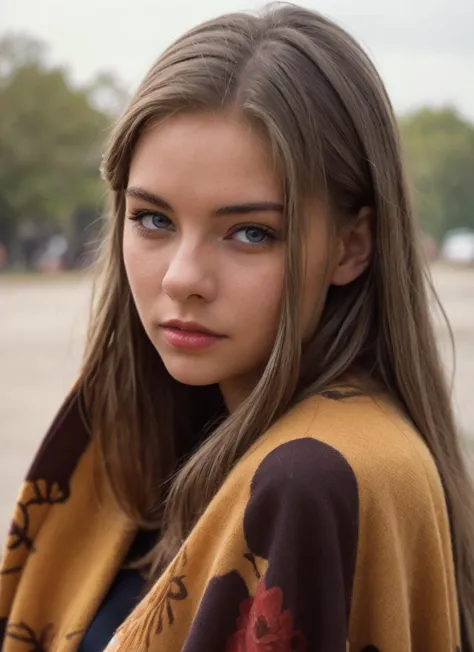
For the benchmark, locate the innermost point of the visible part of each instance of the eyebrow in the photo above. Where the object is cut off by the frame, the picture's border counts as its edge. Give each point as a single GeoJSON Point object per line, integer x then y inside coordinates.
{"type": "Point", "coordinates": [233, 209]}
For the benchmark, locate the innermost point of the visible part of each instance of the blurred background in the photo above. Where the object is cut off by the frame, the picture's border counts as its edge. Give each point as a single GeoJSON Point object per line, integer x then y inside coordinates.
{"type": "Point", "coordinates": [67, 69]}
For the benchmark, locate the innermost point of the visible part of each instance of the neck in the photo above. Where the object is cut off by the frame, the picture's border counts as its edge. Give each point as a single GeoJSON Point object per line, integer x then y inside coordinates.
{"type": "Point", "coordinates": [235, 391]}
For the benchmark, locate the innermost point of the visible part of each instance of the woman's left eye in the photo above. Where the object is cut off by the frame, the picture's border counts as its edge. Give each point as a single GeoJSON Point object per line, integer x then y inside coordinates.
{"type": "Point", "coordinates": [155, 221]}
{"type": "Point", "coordinates": [253, 235]}
{"type": "Point", "coordinates": [148, 222]}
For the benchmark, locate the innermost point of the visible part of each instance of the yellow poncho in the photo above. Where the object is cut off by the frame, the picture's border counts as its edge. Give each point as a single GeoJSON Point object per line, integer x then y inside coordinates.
{"type": "Point", "coordinates": [331, 534]}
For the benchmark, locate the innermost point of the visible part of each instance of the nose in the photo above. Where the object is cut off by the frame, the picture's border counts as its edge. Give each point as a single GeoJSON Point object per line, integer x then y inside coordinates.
{"type": "Point", "coordinates": [190, 273]}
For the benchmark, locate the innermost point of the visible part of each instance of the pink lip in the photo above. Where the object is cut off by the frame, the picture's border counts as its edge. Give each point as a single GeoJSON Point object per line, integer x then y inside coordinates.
{"type": "Point", "coordinates": [188, 335]}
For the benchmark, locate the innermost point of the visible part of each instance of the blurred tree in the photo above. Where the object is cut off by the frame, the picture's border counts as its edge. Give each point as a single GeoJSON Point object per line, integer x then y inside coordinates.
{"type": "Point", "coordinates": [17, 50]}
{"type": "Point", "coordinates": [107, 93]}
{"type": "Point", "coordinates": [439, 147]}
{"type": "Point", "coordinates": [51, 136]}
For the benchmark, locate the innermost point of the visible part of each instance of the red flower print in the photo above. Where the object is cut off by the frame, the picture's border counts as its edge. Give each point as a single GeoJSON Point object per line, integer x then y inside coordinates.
{"type": "Point", "coordinates": [263, 627]}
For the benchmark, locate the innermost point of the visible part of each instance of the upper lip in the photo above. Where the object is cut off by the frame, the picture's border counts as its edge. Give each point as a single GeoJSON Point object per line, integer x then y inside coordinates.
{"type": "Point", "coordinates": [189, 326]}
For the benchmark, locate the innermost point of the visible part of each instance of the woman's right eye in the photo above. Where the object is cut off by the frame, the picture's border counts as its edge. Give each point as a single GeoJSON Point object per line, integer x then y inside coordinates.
{"type": "Point", "coordinates": [151, 221]}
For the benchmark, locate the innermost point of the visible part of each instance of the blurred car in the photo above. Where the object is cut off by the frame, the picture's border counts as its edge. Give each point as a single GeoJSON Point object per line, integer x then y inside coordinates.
{"type": "Point", "coordinates": [458, 246]}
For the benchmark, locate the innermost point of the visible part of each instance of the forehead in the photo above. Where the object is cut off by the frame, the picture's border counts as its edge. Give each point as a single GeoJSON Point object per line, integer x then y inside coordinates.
{"type": "Point", "coordinates": [208, 155]}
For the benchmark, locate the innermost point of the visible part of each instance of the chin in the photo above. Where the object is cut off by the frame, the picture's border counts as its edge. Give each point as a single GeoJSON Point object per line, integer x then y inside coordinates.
{"type": "Point", "coordinates": [193, 373]}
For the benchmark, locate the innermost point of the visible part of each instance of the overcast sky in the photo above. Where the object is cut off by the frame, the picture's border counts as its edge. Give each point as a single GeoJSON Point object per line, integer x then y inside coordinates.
{"type": "Point", "coordinates": [424, 49]}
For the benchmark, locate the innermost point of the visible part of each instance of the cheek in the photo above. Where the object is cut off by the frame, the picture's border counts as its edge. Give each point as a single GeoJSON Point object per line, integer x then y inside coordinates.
{"type": "Point", "coordinates": [258, 297]}
{"type": "Point", "coordinates": [141, 267]}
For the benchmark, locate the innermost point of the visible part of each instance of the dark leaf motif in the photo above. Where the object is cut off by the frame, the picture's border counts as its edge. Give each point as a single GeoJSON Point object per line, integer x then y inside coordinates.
{"type": "Point", "coordinates": [75, 634]}
{"type": "Point", "coordinates": [19, 529]}
{"type": "Point", "coordinates": [176, 591]}
{"type": "Point", "coordinates": [249, 556]}
{"type": "Point", "coordinates": [169, 612]}
{"type": "Point", "coordinates": [340, 395]}
{"type": "Point", "coordinates": [11, 571]}
{"type": "Point", "coordinates": [181, 593]}
{"type": "Point", "coordinates": [36, 642]}
{"type": "Point", "coordinates": [44, 493]}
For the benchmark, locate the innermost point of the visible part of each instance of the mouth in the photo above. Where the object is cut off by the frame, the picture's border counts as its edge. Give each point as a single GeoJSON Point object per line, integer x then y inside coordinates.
{"type": "Point", "coordinates": [189, 335]}
{"type": "Point", "coordinates": [190, 327]}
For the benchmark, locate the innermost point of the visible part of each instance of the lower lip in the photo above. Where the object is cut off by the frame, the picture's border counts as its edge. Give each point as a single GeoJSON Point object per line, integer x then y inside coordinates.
{"type": "Point", "coordinates": [188, 340]}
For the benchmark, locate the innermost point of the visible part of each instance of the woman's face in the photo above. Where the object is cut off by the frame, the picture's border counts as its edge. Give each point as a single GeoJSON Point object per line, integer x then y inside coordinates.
{"type": "Point", "coordinates": [204, 251]}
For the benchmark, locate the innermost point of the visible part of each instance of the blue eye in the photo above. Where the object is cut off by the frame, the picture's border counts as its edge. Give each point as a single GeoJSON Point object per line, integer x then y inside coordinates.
{"type": "Point", "coordinates": [154, 221]}
{"type": "Point", "coordinates": [254, 235]}
{"type": "Point", "coordinates": [151, 221]}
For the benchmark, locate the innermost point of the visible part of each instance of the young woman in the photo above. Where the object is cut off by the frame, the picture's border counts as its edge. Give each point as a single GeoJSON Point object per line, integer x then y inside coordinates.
{"type": "Point", "coordinates": [259, 453]}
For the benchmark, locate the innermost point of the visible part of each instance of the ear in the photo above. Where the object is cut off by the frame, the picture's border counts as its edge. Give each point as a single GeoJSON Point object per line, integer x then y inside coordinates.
{"type": "Point", "coordinates": [354, 250]}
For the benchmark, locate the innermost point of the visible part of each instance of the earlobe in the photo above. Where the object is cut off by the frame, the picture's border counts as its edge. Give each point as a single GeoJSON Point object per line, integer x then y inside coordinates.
{"type": "Point", "coordinates": [356, 243]}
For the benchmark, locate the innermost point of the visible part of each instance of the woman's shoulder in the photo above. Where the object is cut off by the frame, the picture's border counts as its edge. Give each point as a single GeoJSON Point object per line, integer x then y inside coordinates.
{"type": "Point", "coordinates": [346, 444]}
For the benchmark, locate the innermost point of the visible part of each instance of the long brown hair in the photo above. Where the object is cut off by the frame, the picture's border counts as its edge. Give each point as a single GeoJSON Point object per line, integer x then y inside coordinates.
{"type": "Point", "coordinates": [318, 100]}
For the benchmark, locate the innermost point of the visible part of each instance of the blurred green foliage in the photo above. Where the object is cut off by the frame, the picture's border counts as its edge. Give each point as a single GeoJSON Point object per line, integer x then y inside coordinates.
{"type": "Point", "coordinates": [439, 150]}
{"type": "Point", "coordinates": [52, 133]}
{"type": "Point", "coordinates": [51, 136]}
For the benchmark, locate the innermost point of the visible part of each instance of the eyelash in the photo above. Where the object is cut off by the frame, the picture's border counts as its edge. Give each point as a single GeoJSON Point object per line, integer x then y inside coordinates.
{"type": "Point", "coordinates": [137, 216]}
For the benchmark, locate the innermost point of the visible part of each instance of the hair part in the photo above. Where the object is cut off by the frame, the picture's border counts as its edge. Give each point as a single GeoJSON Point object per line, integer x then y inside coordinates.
{"type": "Point", "coordinates": [318, 100]}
